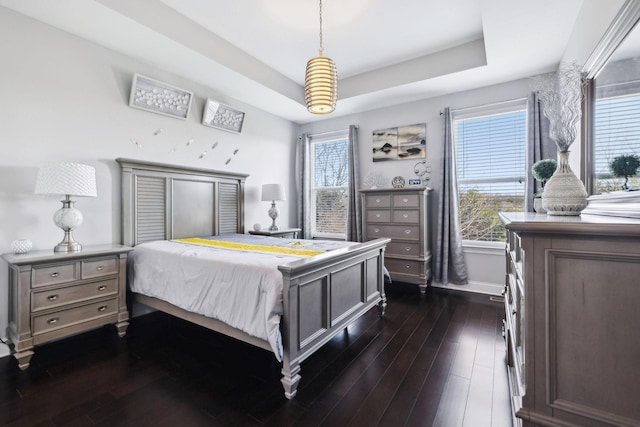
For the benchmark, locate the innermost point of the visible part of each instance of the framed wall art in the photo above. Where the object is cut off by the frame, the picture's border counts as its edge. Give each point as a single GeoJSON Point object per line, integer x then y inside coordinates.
{"type": "Point", "coordinates": [400, 143]}
{"type": "Point", "coordinates": [158, 97]}
{"type": "Point", "coordinates": [218, 115]}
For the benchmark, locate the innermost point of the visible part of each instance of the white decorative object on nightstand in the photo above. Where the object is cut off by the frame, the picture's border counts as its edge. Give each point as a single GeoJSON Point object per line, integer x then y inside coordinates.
{"type": "Point", "coordinates": [21, 246]}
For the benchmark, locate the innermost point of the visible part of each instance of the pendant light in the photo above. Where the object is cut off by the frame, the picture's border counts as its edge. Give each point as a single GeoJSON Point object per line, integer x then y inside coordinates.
{"type": "Point", "coordinates": [321, 81]}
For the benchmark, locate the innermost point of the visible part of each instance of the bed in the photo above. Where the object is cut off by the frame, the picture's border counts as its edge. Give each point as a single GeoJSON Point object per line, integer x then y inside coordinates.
{"type": "Point", "coordinates": [321, 294]}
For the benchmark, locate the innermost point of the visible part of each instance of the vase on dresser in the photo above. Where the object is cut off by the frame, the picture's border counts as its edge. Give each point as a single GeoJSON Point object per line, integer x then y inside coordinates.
{"type": "Point", "coordinates": [564, 194]}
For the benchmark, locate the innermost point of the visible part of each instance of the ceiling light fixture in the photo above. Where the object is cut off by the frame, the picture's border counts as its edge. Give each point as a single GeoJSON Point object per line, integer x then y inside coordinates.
{"type": "Point", "coordinates": [321, 81]}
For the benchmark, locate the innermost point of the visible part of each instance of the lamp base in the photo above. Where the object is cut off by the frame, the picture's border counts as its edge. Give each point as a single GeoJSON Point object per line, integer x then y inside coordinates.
{"type": "Point", "coordinates": [68, 218]}
{"type": "Point", "coordinates": [68, 244]}
{"type": "Point", "coordinates": [273, 214]}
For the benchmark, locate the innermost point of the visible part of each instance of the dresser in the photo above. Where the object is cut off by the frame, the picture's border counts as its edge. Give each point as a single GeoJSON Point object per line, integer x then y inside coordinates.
{"type": "Point", "coordinates": [55, 295]}
{"type": "Point", "coordinates": [572, 326]}
{"type": "Point", "coordinates": [402, 215]}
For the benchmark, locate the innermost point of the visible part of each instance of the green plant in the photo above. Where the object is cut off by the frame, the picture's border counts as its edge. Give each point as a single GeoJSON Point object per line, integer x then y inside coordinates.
{"type": "Point", "coordinates": [625, 165]}
{"type": "Point", "coordinates": [542, 170]}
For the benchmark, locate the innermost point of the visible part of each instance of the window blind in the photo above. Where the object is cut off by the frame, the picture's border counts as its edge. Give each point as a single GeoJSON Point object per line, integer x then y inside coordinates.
{"type": "Point", "coordinates": [490, 153]}
{"type": "Point", "coordinates": [617, 131]}
{"type": "Point", "coordinates": [490, 163]}
{"type": "Point", "coordinates": [330, 176]}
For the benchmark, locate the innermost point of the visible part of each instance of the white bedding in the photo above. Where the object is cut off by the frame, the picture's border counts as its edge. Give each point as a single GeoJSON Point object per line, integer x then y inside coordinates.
{"type": "Point", "coordinates": [240, 288]}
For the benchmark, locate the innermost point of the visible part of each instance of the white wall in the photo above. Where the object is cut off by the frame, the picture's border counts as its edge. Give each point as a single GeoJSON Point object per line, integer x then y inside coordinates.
{"type": "Point", "coordinates": [485, 266]}
{"type": "Point", "coordinates": [66, 99]}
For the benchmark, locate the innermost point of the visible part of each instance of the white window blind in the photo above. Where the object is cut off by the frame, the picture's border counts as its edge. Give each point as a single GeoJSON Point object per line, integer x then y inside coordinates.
{"type": "Point", "coordinates": [490, 163]}
{"type": "Point", "coordinates": [330, 180]}
{"type": "Point", "coordinates": [617, 132]}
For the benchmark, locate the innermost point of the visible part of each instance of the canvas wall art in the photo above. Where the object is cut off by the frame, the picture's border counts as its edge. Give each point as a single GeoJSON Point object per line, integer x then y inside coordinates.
{"type": "Point", "coordinates": [158, 97]}
{"type": "Point", "coordinates": [400, 143]}
{"type": "Point", "coordinates": [223, 117]}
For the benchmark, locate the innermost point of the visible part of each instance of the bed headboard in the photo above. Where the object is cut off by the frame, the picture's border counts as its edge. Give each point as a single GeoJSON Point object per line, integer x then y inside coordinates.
{"type": "Point", "coordinates": [161, 201]}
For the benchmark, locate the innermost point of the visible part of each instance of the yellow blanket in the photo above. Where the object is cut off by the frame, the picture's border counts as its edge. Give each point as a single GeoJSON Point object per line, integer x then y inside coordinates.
{"type": "Point", "coordinates": [250, 247]}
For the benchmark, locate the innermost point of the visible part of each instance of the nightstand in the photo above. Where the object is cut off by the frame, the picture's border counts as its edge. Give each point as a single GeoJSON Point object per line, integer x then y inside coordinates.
{"type": "Point", "coordinates": [291, 233]}
{"type": "Point", "coordinates": [53, 295]}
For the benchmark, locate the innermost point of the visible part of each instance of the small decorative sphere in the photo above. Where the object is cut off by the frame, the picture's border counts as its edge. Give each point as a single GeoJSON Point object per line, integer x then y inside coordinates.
{"type": "Point", "coordinates": [21, 246]}
{"type": "Point", "coordinates": [257, 227]}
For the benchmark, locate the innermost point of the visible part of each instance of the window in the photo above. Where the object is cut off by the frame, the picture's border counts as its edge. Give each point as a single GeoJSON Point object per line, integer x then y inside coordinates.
{"type": "Point", "coordinates": [617, 132]}
{"type": "Point", "coordinates": [490, 161]}
{"type": "Point", "coordinates": [329, 172]}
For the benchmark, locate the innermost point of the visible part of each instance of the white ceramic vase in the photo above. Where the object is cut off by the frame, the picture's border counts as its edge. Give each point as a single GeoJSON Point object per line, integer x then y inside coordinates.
{"type": "Point", "coordinates": [564, 194]}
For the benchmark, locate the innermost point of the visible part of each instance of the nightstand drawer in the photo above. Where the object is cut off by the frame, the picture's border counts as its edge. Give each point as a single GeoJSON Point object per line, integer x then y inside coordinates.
{"type": "Point", "coordinates": [60, 319]}
{"type": "Point", "coordinates": [378, 216]}
{"type": "Point", "coordinates": [403, 266]}
{"type": "Point", "coordinates": [406, 200]}
{"type": "Point", "coordinates": [407, 217]}
{"type": "Point", "coordinates": [403, 248]}
{"type": "Point", "coordinates": [404, 232]}
{"type": "Point", "coordinates": [98, 268]}
{"type": "Point", "coordinates": [378, 201]}
{"type": "Point", "coordinates": [57, 297]}
{"type": "Point", "coordinates": [52, 275]}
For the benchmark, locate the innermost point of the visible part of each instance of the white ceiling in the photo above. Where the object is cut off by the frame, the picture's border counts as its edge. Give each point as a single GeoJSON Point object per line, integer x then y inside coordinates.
{"type": "Point", "coordinates": [387, 52]}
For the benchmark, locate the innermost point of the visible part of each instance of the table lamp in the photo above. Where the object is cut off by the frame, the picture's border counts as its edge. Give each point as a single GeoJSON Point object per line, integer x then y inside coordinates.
{"type": "Point", "coordinates": [67, 179]}
{"type": "Point", "coordinates": [273, 192]}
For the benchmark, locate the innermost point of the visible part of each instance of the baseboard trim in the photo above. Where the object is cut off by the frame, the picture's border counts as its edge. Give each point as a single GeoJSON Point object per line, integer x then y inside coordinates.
{"type": "Point", "coordinates": [476, 287]}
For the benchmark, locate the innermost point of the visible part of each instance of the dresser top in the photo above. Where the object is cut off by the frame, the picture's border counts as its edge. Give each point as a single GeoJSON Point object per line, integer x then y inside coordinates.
{"type": "Point", "coordinates": [395, 190]}
{"type": "Point", "coordinates": [530, 222]}
{"type": "Point", "coordinates": [50, 256]}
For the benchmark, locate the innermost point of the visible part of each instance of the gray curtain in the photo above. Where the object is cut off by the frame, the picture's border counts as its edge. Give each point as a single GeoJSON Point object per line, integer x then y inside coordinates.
{"type": "Point", "coordinates": [354, 210]}
{"type": "Point", "coordinates": [539, 146]}
{"type": "Point", "coordinates": [449, 264]}
{"type": "Point", "coordinates": [302, 186]}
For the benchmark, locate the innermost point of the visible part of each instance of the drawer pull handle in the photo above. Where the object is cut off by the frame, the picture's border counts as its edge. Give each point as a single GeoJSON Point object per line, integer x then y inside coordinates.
{"type": "Point", "coordinates": [378, 215]}
{"type": "Point", "coordinates": [407, 231]}
{"type": "Point", "coordinates": [53, 320]}
{"type": "Point", "coordinates": [102, 287]}
{"type": "Point", "coordinates": [408, 248]}
{"type": "Point", "coordinates": [405, 216]}
{"type": "Point", "coordinates": [376, 230]}
{"type": "Point", "coordinates": [54, 274]}
{"type": "Point", "coordinates": [514, 312]}
{"type": "Point", "coordinates": [377, 200]}
{"type": "Point", "coordinates": [405, 200]}
{"type": "Point", "coordinates": [407, 266]}
{"type": "Point", "coordinates": [102, 308]}
{"type": "Point", "coordinates": [100, 267]}
{"type": "Point", "coordinates": [52, 297]}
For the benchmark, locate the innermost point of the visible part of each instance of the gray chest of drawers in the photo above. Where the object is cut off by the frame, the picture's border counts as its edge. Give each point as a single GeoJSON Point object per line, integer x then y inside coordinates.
{"type": "Point", "coordinates": [402, 215]}
{"type": "Point", "coordinates": [55, 295]}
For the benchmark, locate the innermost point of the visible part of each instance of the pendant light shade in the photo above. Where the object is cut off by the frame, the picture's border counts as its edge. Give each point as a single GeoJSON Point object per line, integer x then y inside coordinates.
{"type": "Point", "coordinates": [321, 81]}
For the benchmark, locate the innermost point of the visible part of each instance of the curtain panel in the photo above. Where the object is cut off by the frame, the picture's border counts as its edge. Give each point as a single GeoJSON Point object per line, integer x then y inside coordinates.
{"type": "Point", "coordinates": [449, 263]}
{"type": "Point", "coordinates": [303, 184]}
{"type": "Point", "coordinates": [354, 210]}
{"type": "Point", "coordinates": [539, 146]}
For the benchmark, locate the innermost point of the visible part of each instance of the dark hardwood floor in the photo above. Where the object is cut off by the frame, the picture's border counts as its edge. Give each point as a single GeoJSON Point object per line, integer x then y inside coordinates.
{"type": "Point", "coordinates": [433, 360]}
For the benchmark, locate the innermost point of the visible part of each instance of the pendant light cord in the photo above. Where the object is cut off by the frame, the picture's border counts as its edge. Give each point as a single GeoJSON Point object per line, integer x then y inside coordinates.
{"type": "Point", "coordinates": [321, 47]}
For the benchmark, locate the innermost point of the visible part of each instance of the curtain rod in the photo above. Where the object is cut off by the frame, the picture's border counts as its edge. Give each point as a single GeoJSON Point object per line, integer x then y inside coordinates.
{"type": "Point", "coordinates": [330, 132]}
{"type": "Point", "coordinates": [492, 104]}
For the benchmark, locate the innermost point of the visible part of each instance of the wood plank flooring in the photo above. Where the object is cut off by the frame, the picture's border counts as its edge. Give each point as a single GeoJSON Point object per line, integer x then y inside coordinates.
{"type": "Point", "coordinates": [433, 360]}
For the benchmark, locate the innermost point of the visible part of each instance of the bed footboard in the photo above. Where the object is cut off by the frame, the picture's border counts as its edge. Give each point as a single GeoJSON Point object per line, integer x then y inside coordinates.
{"type": "Point", "coordinates": [324, 295]}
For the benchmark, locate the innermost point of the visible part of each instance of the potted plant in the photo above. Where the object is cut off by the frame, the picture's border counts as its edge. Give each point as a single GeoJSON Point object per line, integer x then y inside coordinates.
{"type": "Point", "coordinates": [542, 170]}
{"type": "Point", "coordinates": [625, 165]}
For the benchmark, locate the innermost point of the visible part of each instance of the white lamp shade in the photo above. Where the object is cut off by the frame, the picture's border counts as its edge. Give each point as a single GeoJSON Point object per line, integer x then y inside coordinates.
{"type": "Point", "coordinates": [272, 192]}
{"type": "Point", "coordinates": [72, 179]}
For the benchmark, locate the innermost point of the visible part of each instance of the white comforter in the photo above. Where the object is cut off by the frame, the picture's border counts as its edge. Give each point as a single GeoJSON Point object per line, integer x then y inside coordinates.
{"type": "Point", "coordinates": [242, 289]}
